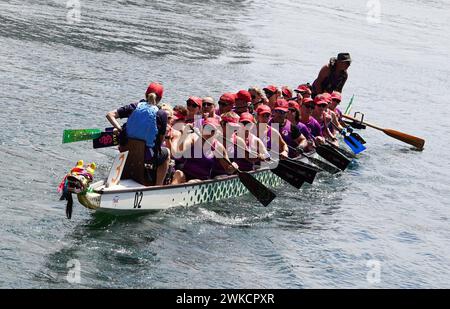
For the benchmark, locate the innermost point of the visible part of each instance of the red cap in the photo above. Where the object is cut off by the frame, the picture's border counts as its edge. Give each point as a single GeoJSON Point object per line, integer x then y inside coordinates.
{"type": "Point", "coordinates": [230, 119]}
{"type": "Point", "coordinates": [244, 95]}
{"type": "Point", "coordinates": [324, 96]}
{"type": "Point", "coordinates": [228, 98]}
{"type": "Point", "coordinates": [212, 122]}
{"type": "Point", "coordinates": [307, 100]}
{"type": "Point", "coordinates": [303, 88]}
{"type": "Point", "coordinates": [263, 109]}
{"type": "Point", "coordinates": [178, 116]}
{"type": "Point", "coordinates": [271, 88]}
{"type": "Point", "coordinates": [335, 95]}
{"type": "Point", "coordinates": [247, 117]}
{"type": "Point", "coordinates": [156, 88]}
{"type": "Point", "coordinates": [286, 92]}
{"type": "Point", "coordinates": [319, 100]}
{"type": "Point", "coordinates": [293, 104]}
{"type": "Point", "coordinates": [195, 100]}
{"type": "Point", "coordinates": [281, 105]}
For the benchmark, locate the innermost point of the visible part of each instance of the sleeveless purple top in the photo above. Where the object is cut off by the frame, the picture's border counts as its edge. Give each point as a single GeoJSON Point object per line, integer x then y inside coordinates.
{"type": "Point", "coordinates": [200, 168]}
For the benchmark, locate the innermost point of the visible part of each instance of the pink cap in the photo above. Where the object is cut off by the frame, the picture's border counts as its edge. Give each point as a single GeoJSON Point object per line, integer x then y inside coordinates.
{"type": "Point", "coordinates": [247, 117]}
{"type": "Point", "coordinates": [307, 100]}
{"type": "Point", "coordinates": [319, 100]}
{"type": "Point", "coordinates": [244, 95]}
{"type": "Point", "coordinates": [281, 105]}
{"type": "Point", "coordinates": [212, 122]}
{"type": "Point", "coordinates": [286, 92]}
{"type": "Point", "coordinates": [293, 104]}
{"type": "Point", "coordinates": [335, 95]}
{"type": "Point", "coordinates": [196, 100]}
{"type": "Point", "coordinates": [271, 88]}
{"type": "Point", "coordinates": [263, 109]}
{"type": "Point", "coordinates": [303, 88]}
{"type": "Point", "coordinates": [228, 98]}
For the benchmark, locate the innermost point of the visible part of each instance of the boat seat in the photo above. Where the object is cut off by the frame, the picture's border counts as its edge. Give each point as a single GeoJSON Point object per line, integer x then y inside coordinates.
{"type": "Point", "coordinates": [135, 165]}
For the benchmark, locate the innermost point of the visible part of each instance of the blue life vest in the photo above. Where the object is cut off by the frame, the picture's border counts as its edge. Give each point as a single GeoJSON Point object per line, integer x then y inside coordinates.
{"type": "Point", "coordinates": [142, 123]}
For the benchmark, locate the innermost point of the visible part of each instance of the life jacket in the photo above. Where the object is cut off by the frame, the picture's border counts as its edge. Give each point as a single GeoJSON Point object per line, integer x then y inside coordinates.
{"type": "Point", "coordinates": [142, 124]}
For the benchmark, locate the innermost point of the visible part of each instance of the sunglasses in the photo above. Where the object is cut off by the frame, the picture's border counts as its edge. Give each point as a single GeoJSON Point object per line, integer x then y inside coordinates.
{"type": "Point", "coordinates": [279, 111]}
{"type": "Point", "coordinates": [265, 115]}
{"type": "Point", "coordinates": [207, 104]}
{"type": "Point", "coordinates": [190, 104]}
{"type": "Point", "coordinates": [292, 110]}
{"type": "Point", "coordinates": [223, 104]}
{"type": "Point", "coordinates": [245, 122]}
{"type": "Point", "coordinates": [323, 105]}
{"type": "Point", "coordinates": [336, 101]}
{"type": "Point", "coordinates": [311, 106]}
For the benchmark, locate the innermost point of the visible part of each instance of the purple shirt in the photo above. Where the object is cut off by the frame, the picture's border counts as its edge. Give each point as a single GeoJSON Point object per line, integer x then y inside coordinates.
{"type": "Point", "coordinates": [314, 127]}
{"type": "Point", "coordinates": [304, 130]}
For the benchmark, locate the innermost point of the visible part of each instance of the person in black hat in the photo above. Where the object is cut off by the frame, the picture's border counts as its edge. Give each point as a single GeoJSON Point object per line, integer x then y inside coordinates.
{"type": "Point", "coordinates": [332, 76]}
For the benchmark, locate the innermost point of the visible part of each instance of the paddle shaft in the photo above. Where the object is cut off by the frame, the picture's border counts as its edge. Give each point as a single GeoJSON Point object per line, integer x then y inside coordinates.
{"type": "Point", "coordinates": [406, 138]}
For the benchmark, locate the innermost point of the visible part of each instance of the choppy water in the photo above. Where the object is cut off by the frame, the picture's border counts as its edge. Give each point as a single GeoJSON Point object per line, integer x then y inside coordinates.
{"type": "Point", "coordinates": [391, 206]}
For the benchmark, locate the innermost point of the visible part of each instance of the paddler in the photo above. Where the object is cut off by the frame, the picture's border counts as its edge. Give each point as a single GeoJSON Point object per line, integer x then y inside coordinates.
{"type": "Point", "coordinates": [146, 122]}
{"type": "Point", "coordinates": [209, 108]}
{"type": "Point", "coordinates": [258, 97]}
{"type": "Point", "coordinates": [226, 102]}
{"type": "Point", "coordinates": [194, 107]}
{"type": "Point", "coordinates": [289, 131]}
{"type": "Point", "coordinates": [320, 113]}
{"type": "Point", "coordinates": [201, 153]}
{"type": "Point", "coordinates": [293, 116]}
{"type": "Point", "coordinates": [269, 135]}
{"type": "Point", "coordinates": [333, 75]}
{"type": "Point", "coordinates": [242, 102]}
{"type": "Point", "coordinates": [272, 94]}
{"type": "Point", "coordinates": [304, 90]}
{"type": "Point", "coordinates": [306, 110]}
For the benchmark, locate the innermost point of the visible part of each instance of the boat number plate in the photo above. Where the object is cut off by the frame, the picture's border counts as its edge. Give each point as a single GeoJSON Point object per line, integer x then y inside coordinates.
{"type": "Point", "coordinates": [138, 199]}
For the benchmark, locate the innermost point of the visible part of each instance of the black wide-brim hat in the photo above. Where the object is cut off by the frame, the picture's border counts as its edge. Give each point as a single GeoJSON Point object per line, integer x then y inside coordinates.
{"type": "Point", "coordinates": [344, 57]}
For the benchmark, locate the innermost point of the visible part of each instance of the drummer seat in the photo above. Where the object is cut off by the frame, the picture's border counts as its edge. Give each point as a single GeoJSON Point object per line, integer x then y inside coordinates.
{"type": "Point", "coordinates": [135, 165]}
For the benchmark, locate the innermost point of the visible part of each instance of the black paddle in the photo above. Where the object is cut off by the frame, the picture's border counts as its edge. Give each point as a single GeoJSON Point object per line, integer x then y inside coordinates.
{"type": "Point", "coordinates": [333, 156]}
{"type": "Point", "coordinates": [263, 194]}
{"type": "Point", "coordinates": [341, 150]}
{"type": "Point", "coordinates": [301, 169]}
{"type": "Point", "coordinates": [290, 172]}
{"type": "Point", "coordinates": [323, 165]}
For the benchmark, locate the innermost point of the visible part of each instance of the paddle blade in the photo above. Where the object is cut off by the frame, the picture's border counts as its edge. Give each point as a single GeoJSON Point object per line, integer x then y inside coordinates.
{"type": "Point", "coordinates": [354, 144]}
{"type": "Point", "coordinates": [358, 137]}
{"type": "Point", "coordinates": [76, 135]}
{"type": "Point", "coordinates": [288, 176]}
{"type": "Point", "coordinates": [409, 139]}
{"type": "Point", "coordinates": [263, 194]}
{"type": "Point", "coordinates": [105, 139]}
{"type": "Point", "coordinates": [333, 156]}
{"type": "Point", "coordinates": [324, 165]}
{"type": "Point", "coordinates": [303, 170]}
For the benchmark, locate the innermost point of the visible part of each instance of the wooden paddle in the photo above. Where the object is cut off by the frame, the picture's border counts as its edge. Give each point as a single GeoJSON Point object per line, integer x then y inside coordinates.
{"type": "Point", "coordinates": [406, 138]}
{"type": "Point", "coordinates": [263, 194]}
